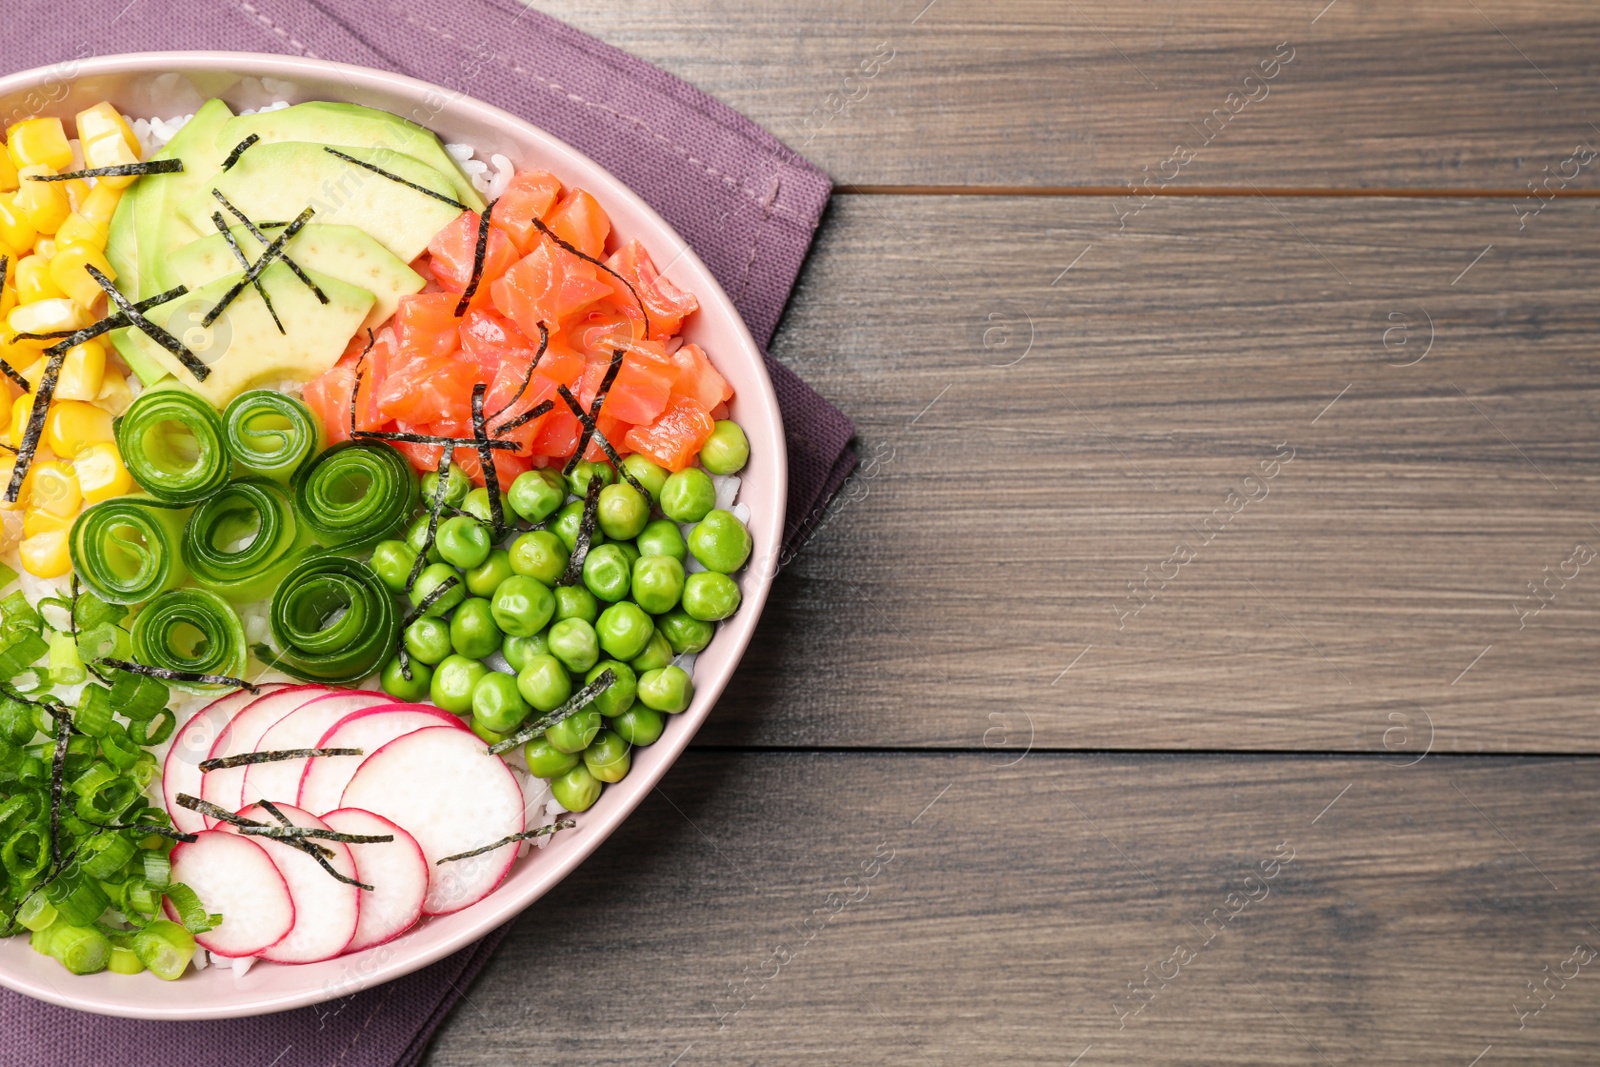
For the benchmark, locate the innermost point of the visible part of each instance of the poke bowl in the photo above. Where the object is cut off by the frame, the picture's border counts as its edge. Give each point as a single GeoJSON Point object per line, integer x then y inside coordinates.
{"type": "Point", "coordinates": [513, 479]}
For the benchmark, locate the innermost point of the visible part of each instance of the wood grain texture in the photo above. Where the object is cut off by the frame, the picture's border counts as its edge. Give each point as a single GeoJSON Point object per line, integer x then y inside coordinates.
{"type": "Point", "coordinates": [1378, 580]}
{"type": "Point", "coordinates": [1436, 94]}
{"type": "Point", "coordinates": [783, 909]}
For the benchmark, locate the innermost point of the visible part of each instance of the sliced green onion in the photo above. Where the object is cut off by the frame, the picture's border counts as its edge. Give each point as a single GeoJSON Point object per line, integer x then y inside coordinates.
{"type": "Point", "coordinates": [124, 961]}
{"type": "Point", "coordinates": [191, 912]}
{"type": "Point", "coordinates": [333, 620]}
{"type": "Point", "coordinates": [157, 869]}
{"type": "Point", "coordinates": [270, 434]}
{"type": "Point", "coordinates": [81, 949]}
{"type": "Point", "coordinates": [165, 947]}
{"type": "Point", "coordinates": [158, 728]}
{"type": "Point", "coordinates": [190, 630]}
{"type": "Point", "coordinates": [79, 900]}
{"type": "Point", "coordinates": [127, 550]}
{"type": "Point", "coordinates": [105, 854]}
{"type": "Point", "coordinates": [242, 541]}
{"type": "Point", "coordinates": [171, 441]}
{"type": "Point", "coordinates": [36, 912]}
{"type": "Point", "coordinates": [138, 696]}
{"type": "Point", "coordinates": [25, 854]}
{"type": "Point", "coordinates": [355, 494]}
{"type": "Point", "coordinates": [94, 712]}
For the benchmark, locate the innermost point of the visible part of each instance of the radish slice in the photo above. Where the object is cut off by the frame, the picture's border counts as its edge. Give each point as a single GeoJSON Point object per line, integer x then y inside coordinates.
{"type": "Point", "coordinates": [369, 730]}
{"type": "Point", "coordinates": [192, 744]}
{"type": "Point", "coordinates": [326, 910]}
{"type": "Point", "coordinates": [234, 877]}
{"type": "Point", "coordinates": [279, 781]}
{"type": "Point", "coordinates": [225, 788]}
{"type": "Point", "coordinates": [396, 871]}
{"type": "Point", "coordinates": [442, 785]}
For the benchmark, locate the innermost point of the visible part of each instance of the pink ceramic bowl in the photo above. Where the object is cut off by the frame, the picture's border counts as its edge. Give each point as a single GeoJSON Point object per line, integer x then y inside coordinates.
{"type": "Point", "coordinates": [168, 84]}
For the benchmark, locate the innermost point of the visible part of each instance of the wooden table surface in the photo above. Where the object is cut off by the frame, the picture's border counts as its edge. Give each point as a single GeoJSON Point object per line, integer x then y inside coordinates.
{"type": "Point", "coordinates": [1202, 667]}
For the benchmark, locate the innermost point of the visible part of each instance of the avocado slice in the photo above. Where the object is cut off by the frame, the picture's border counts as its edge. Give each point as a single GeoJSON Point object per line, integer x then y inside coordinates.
{"type": "Point", "coordinates": [342, 252]}
{"type": "Point", "coordinates": [243, 347]}
{"type": "Point", "coordinates": [325, 122]}
{"type": "Point", "coordinates": [275, 182]}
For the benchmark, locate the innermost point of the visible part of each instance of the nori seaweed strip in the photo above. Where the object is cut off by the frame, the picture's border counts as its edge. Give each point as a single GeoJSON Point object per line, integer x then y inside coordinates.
{"type": "Point", "coordinates": [161, 337]}
{"type": "Point", "coordinates": [452, 201]}
{"type": "Point", "coordinates": [532, 413]}
{"type": "Point", "coordinates": [43, 885]}
{"type": "Point", "coordinates": [52, 335]}
{"type": "Point", "coordinates": [248, 759]}
{"type": "Point", "coordinates": [533, 365]}
{"type": "Point", "coordinates": [430, 600]}
{"type": "Point", "coordinates": [111, 322]}
{"type": "Point", "coordinates": [205, 807]}
{"type": "Point", "coordinates": [491, 474]}
{"type": "Point", "coordinates": [35, 428]}
{"type": "Point", "coordinates": [432, 439]}
{"type": "Point", "coordinates": [121, 170]}
{"type": "Point", "coordinates": [244, 261]}
{"type": "Point", "coordinates": [254, 229]}
{"type": "Point", "coordinates": [148, 828]}
{"type": "Point", "coordinates": [16, 376]}
{"type": "Point", "coordinates": [361, 372]}
{"type": "Point", "coordinates": [580, 546]}
{"type": "Point", "coordinates": [576, 702]}
{"type": "Point", "coordinates": [58, 766]}
{"type": "Point", "coordinates": [548, 232]}
{"type": "Point", "coordinates": [268, 255]}
{"type": "Point", "coordinates": [478, 253]}
{"type": "Point", "coordinates": [167, 674]}
{"type": "Point", "coordinates": [238, 150]}
{"type": "Point", "coordinates": [605, 446]}
{"type": "Point", "coordinates": [526, 835]}
{"type": "Point", "coordinates": [315, 851]}
{"type": "Point", "coordinates": [594, 410]}
{"type": "Point", "coordinates": [441, 468]}
{"type": "Point", "coordinates": [291, 833]}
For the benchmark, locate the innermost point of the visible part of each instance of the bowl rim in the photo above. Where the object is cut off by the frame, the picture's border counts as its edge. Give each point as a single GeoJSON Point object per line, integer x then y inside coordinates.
{"type": "Point", "coordinates": [596, 825]}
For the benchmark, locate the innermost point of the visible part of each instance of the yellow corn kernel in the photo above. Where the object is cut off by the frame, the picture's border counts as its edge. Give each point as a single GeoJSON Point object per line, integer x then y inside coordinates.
{"type": "Point", "coordinates": [35, 521]}
{"type": "Point", "coordinates": [82, 372]}
{"type": "Point", "coordinates": [72, 424]}
{"type": "Point", "coordinates": [103, 119]}
{"type": "Point", "coordinates": [33, 373]}
{"type": "Point", "coordinates": [44, 203]}
{"type": "Point", "coordinates": [114, 395]}
{"type": "Point", "coordinates": [34, 282]}
{"type": "Point", "coordinates": [7, 466]}
{"type": "Point", "coordinates": [45, 247]}
{"type": "Point", "coordinates": [77, 191]}
{"type": "Point", "coordinates": [39, 142]}
{"type": "Point", "coordinates": [16, 230]}
{"type": "Point", "coordinates": [101, 474]}
{"type": "Point", "coordinates": [111, 151]}
{"type": "Point", "coordinates": [55, 491]}
{"type": "Point", "coordinates": [45, 555]}
{"type": "Point", "coordinates": [45, 316]}
{"type": "Point", "coordinates": [8, 173]}
{"type": "Point", "coordinates": [70, 271]}
{"type": "Point", "coordinates": [21, 408]}
{"type": "Point", "coordinates": [78, 230]}
{"type": "Point", "coordinates": [100, 204]}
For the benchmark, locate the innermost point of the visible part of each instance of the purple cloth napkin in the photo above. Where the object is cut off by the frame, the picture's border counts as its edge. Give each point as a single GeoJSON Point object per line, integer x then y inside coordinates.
{"type": "Point", "coordinates": [746, 203]}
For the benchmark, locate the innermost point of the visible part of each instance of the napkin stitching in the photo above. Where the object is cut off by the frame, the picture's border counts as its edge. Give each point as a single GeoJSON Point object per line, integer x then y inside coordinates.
{"type": "Point", "coordinates": [767, 206]}
{"type": "Point", "coordinates": [376, 1008]}
{"type": "Point", "coordinates": [248, 8]}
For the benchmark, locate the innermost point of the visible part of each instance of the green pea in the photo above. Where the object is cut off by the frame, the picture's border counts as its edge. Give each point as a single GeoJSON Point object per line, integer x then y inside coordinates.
{"type": "Point", "coordinates": [486, 735]}
{"type": "Point", "coordinates": [453, 682]}
{"type": "Point", "coordinates": [720, 542]}
{"type": "Point", "coordinates": [473, 631]}
{"type": "Point", "coordinates": [647, 474]}
{"type": "Point", "coordinates": [668, 689]}
{"type": "Point", "coordinates": [727, 450]}
{"type": "Point", "coordinates": [477, 505]}
{"type": "Point", "coordinates": [710, 596]}
{"type": "Point", "coordinates": [657, 583]}
{"type": "Point", "coordinates": [544, 682]}
{"type": "Point", "coordinates": [566, 524]}
{"type": "Point", "coordinates": [547, 761]}
{"type": "Point", "coordinates": [537, 493]}
{"type": "Point", "coordinates": [688, 495]}
{"type": "Point", "coordinates": [684, 632]}
{"type": "Point", "coordinates": [396, 684]}
{"type": "Point", "coordinates": [522, 605]}
{"type": "Point", "coordinates": [630, 550]}
{"type": "Point", "coordinates": [623, 511]}
{"type": "Point", "coordinates": [428, 639]}
{"type": "Point", "coordinates": [393, 561]}
{"type": "Point", "coordinates": [608, 756]}
{"type": "Point", "coordinates": [639, 725]}
{"type": "Point", "coordinates": [577, 790]}
{"type": "Point", "coordinates": [539, 554]}
{"type": "Point", "coordinates": [572, 641]}
{"type": "Point", "coordinates": [576, 602]}
{"type": "Point", "coordinates": [463, 542]}
{"type": "Point", "coordinates": [624, 630]}
{"type": "Point", "coordinates": [497, 704]}
{"type": "Point", "coordinates": [657, 654]}
{"type": "Point", "coordinates": [584, 472]}
{"type": "Point", "coordinates": [432, 577]}
{"type": "Point", "coordinates": [517, 650]}
{"type": "Point", "coordinates": [456, 487]}
{"type": "Point", "coordinates": [485, 578]}
{"type": "Point", "coordinates": [574, 733]}
{"type": "Point", "coordinates": [618, 697]}
{"type": "Point", "coordinates": [606, 571]}
{"type": "Point", "coordinates": [417, 536]}
{"type": "Point", "coordinates": [662, 538]}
